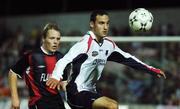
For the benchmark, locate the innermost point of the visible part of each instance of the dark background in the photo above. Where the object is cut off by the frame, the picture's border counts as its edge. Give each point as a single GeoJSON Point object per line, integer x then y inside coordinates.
{"type": "Point", "coordinates": [32, 7]}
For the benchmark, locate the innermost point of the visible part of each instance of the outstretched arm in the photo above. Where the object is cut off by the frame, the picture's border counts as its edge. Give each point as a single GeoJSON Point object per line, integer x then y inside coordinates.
{"type": "Point", "coordinates": [12, 78]}
{"type": "Point", "coordinates": [122, 57]}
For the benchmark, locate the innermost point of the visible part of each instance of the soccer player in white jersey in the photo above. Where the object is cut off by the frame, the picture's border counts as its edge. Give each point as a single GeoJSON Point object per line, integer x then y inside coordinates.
{"type": "Point", "coordinates": [88, 58]}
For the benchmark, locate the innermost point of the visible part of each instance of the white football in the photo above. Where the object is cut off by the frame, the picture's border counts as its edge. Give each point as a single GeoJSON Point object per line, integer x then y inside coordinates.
{"type": "Point", "coordinates": [140, 20]}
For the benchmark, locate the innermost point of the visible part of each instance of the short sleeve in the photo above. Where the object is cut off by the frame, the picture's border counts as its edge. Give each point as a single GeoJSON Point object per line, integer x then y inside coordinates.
{"type": "Point", "coordinates": [21, 65]}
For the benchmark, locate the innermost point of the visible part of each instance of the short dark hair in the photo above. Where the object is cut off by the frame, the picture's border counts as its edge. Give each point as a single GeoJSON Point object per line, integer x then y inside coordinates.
{"type": "Point", "coordinates": [49, 26]}
{"type": "Point", "coordinates": [97, 12]}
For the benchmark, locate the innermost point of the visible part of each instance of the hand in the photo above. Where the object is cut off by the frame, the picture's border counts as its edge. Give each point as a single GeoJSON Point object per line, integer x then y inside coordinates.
{"type": "Point", "coordinates": [52, 83]}
{"type": "Point", "coordinates": [15, 104]}
{"type": "Point", "coordinates": [161, 74]}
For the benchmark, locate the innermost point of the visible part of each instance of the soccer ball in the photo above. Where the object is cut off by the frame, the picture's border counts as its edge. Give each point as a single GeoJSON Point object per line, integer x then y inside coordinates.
{"type": "Point", "coordinates": [140, 20]}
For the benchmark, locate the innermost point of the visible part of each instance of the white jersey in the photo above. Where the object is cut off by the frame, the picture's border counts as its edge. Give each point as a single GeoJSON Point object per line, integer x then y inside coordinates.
{"type": "Point", "coordinates": [89, 57]}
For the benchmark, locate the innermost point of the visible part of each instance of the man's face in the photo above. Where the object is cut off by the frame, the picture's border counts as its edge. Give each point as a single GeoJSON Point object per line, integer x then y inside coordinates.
{"type": "Point", "coordinates": [52, 41]}
{"type": "Point", "coordinates": [101, 26]}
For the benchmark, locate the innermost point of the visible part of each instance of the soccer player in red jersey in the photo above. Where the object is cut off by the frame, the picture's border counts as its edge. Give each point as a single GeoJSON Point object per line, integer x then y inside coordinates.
{"type": "Point", "coordinates": [35, 67]}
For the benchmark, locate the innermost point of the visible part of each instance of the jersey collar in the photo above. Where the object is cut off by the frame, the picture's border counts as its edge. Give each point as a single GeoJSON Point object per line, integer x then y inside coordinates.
{"type": "Point", "coordinates": [44, 51]}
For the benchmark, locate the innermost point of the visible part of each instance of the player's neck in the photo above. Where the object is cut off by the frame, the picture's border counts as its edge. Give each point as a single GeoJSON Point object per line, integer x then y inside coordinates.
{"type": "Point", "coordinates": [46, 51]}
{"type": "Point", "coordinates": [99, 39]}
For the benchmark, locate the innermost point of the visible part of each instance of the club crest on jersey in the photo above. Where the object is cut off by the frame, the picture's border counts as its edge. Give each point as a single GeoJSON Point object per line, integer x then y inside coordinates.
{"type": "Point", "coordinates": [94, 53]}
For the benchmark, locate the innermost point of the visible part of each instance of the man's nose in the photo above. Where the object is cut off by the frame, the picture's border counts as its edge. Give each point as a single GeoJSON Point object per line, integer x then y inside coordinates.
{"type": "Point", "coordinates": [106, 26]}
{"type": "Point", "coordinates": [55, 41]}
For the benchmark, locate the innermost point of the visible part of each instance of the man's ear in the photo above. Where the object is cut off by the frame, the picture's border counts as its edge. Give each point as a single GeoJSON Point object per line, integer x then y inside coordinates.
{"type": "Point", "coordinates": [91, 24]}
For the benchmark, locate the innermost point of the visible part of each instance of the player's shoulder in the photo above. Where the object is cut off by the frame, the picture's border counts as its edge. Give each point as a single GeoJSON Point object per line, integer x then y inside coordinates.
{"type": "Point", "coordinates": [25, 54]}
{"type": "Point", "coordinates": [108, 39]}
{"type": "Point", "coordinates": [33, 52]}
{"type": "Point", "coordinates": [36, 51]}
{"type": "Point", "coordinates": [83, 40]}
{"type": "Point", "coordinates": [59, 54]}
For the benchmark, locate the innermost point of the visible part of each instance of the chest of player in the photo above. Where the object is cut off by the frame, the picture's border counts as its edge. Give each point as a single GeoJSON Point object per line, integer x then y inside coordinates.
{"type": "Point", "coordinates": [43, 63]}
{"type": "Point", "coordinates": [98, 53]}
{"type": "Point", "coordinates": [42, 66]}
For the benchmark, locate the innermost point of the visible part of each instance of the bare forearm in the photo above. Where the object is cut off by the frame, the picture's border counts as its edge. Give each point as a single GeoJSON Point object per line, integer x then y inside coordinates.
{"type": "Point", "coordinates": [13, 85]}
